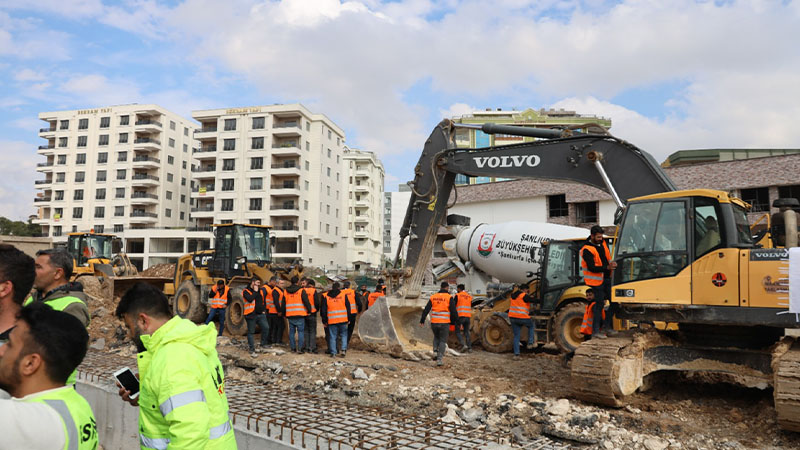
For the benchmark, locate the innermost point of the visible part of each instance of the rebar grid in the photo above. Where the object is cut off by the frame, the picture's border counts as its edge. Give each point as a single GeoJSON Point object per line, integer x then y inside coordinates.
{"type": "Point", "coordinates": [312, 421]}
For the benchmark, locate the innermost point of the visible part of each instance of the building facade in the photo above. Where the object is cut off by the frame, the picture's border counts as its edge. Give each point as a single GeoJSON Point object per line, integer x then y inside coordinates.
{"type": "Point", "coordinates": [278, 165]}
{"type": "Point", "coordinates": [395, 205]}
{"type": "Point", "coordinates": [543, 118]}
{"type": "Point", "coordinates": [365, 177]}
{"type": "Point", "coordinates": [114, 168]}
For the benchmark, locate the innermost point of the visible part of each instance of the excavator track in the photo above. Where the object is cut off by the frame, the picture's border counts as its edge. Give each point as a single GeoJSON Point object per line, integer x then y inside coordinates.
{"type": "Point", "coordinates": [595, 369]}
{"type": "Point", "coordinates": [787, 388]}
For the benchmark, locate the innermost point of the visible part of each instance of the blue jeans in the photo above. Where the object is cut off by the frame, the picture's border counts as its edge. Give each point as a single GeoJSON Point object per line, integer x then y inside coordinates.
{"type": "Point", "coordinates": [298, 324]}
{"type": "Point", "coordinates": [337, 331]}
{"type": "Point", "coordinates": [261, 320]}
{"type": "Point", "coordinates": [516, 326]}
{"type": "Point", "coordinates": [219, 314]}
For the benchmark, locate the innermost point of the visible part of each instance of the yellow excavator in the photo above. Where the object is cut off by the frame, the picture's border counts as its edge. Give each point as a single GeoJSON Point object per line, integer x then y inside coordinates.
{"type": "Point", "coordinates": [684, 257]}
{"type": "Point", "coordinates": [240, 252]}
{"type": "Point", "coordinates": [99, 264]}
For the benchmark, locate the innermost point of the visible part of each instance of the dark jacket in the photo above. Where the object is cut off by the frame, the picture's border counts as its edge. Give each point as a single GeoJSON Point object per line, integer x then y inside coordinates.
{"type": "Point", "coordinates": [79, 310]}
{"type": "Point", "coordinates": [589, 258]}
{"type": "Point", "coordinates": [257, 297]}
{"type": "Point", "coordinates": [323, 306]}
{"type": "Point", "coordinates": [452, 307]}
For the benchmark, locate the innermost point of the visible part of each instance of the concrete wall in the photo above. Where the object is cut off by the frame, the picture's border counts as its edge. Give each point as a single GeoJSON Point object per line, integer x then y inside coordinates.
{"type": "Point", "coordinates": [29, 245]}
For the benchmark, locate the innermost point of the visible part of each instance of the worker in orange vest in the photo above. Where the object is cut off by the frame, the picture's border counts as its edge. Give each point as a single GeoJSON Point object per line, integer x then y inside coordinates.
{"type": "Point", "coordinates": [255, 313]}
{"type": "Point", "coordinates": [597, 266]}
{"type": "Point", "coordinates": [519, 314]}
{"type": "Point", "coordinates": [274, 306]}
{"type": "Point", "coordinates": [464, 310]}
{"type": "Point", "coordinates": [310, 327]}
{"type": "Point", "coordinates": [296, 307]}
{"type": "Point", "coordinates": [379, 292]}
{"type": "Point", "coordinates": [334, 311]}
{"type": "Point", "coordinates": [588, 315]}
{"type": "Point", "coordinates": [442, 307]}
{"type": "Point", "coordinates": [218, 298]}
{"type": "Point", "coordinates": [353, 308]}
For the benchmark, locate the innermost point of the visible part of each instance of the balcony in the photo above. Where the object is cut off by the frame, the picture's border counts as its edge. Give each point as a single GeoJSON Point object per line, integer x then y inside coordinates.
{"type": "Point", "coordinates": [202, 211]}
{"type": "Point", "coordinates": [285, 231]}
{"type": "Point", "coordinates": [140, 179]}
{"type": "Point", "coordinates": [205, 133]}
{"type": "Point", "coordinates": [143, 198]}
{"type": "Point", "coordinates": [362, 173]}
{"type": "Point", "coordinates": [362, 218]}
{"type": "Point", "coordinates": [287, 129]}
{"type": "Point", "coordinates": [206, 152]}
{"type": "Point", "coordinates": [50, 131]}
{"type": "Point", "coordinates": [147, 125]}
{"type": "Point", "coordinates": [203, 208]}
{"type": "Point", "coordinates": [289, 210]}
{"type": "Point", "coordinates": [43, 182]}
{"type": "Point", "coordinates": [42, 199]}
{"type": "Point", "coordinates": [146, 144]}
{"type": "Point", "coordinates": [203, 191]}
{"type": "Point", "coordinates": [285, 169]}
{"type": "Point", "coordinates": [363, 203]}
{"type": "Point", "coordinates": [44, 167]}
{"type": "Point", "coordinates": [46, 149]}
{"type": "Point", "coordinates": [143, 217]}
{"type": "Point", "coordinates": [286, 149]}
{"type": "Point", "coordinates": [361, 234]}
{"type": "Point", "coordinates": [361, 188]}
{"type": "Point", "coordinates": [204, 169]}
{"type": "Point", "coordinates": [146, 162]}
{"type": "Point", "coordinates": [282, 189]}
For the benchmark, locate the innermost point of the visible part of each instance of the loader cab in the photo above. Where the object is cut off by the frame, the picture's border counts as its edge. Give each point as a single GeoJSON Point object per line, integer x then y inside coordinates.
{"type": "Point", "coordinates": [87, 246]}
{"type": "Point", "coordinates": [236, 245]}
{"type": "Point", "coordinates": [560, 271]}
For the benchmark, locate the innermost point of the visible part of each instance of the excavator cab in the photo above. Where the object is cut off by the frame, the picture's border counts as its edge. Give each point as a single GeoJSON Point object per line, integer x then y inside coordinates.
{"type": "Point", "coordinates": [236, 245]}
{"type": "Point", "coordinates": [84, 247]}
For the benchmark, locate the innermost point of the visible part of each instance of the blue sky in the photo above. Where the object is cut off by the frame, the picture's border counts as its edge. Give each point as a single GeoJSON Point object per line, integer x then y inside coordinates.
{"type": "Point", "coordinates": [671, 75]}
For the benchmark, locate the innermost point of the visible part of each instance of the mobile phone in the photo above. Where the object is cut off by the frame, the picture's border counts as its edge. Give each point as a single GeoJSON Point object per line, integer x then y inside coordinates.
{"type": "Point", "coordinates": [128, 380]}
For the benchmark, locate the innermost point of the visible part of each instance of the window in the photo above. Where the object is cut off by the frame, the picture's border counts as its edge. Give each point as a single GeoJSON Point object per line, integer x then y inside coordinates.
{"type": "Point", "coordinates": [308, 166]}
{"type": "Point", "coordinates": [230, 124]}
{"type": "Point", "coordinates": [758, 197]}
{"type": "Point", "coordinates": [229, 144]}
{"type": "Point", "coordinates": [60, 177]}
{"type": "Point", "coordinates": [258, 123]}
{"type": "Point", "coordinates": [101, 175]}
{"type": "Point", "coordinates": [328, 171]}
{"type": "Point", "coordinates": [124, 120]}
{"type": "Point", "coordinates": [123, 138]}
{"type": "Point", "coordinates": [706, 226]}
{"type": "Point", "coordinates": [586, 212]}
{"type": "Point", "coordinates": [329, 153]}
{"type": "Point", "coordinates": [105, 122]}
{"type": "Point", "coordinates": [62, 159]}
{"type": "Point", "coordinates": [183, 181]}
{"type": "Point", "coordinates": [305, 225]}
{"type": "Point", "coordinates": [100, 194]}
{"type": "Point", "coordinates": [62, 142]}
{"type": "Point", "coordinates": [328, 209]}
{"type": "Point", "coordinates": [256, 184]}
{"type": "Point", "coordinates": [82, 141]}
{"type": "Point", "coordinates": [120, 193]}
{"type": "Point", "coordinates": [182, 215]}
{"type": "Point", "coordinates": [64, 125]}
{"type": "Point", "coordinates": [183, 198]}
{"type": "Point", "coordinates": [327, 228]}
{"type": "Point", "coordinates": [329, 134]}
{"type": "Point", "coordinates": [227, 184]}
{"type": "Point", "coordinates": [256, 163]}
{"type": "Point", "coordinates": [121, 174]}
{"type": "Point", "coordinates": [258, 143]}
{"type": "Point", "coordinates": [78, 194]}
{"type": "Point", "coordinates": [171, 124]}
{"type": "Point", "coordinates": [338, 141]}
{"type": "Point", "coordinates": [99, 212]}
{"type": "Point", "coordinates": [122, 156]}
{"type": "Point", "coordinates": [185, 148]}
{"type": "Point", "coordinates": [83, 124]}
{"type": "Point", "coordinates": [183, 164]}
{"type": "Point", "coordinates": [57, 230]}
{"type": "Point", "coordinates": [306, 184]}
{"type": "Point", "coordinates": [119, 211]}
{"type": "Point", "coordinates": [119, 228]}
{"type": "Point", "coordinates": [170, 177]}
{"type": "Point", "coordinates": [80, 158]}
{"type": "Point", "coordinates": [170, 159]}
{"type": "Point", "coordinates": [185, 131]}
{"type": "Point", "coordinates": [59, 195]}
{"type": "Point", "coordinates": [77, 213]}
{"type": "Point", "coordinates": [255, 221]}
{"type": "Point", "coordinates": [169, 195]}
{"type": "Point", "coordinates": [172, 142]}
{"type": "Point", "coordinates": [329, 190]}
{"type": "Point", "coordinates": [168, 212]}
{"type": "Point", "coordinates": [227, 204]}
{"type": "Point", "coordinates": [308, 126]}
{"type": "Point", "coordinates": [255, 204]}
{"type": "Point", "coordinates": [80, 177]}
{"type": "Point", "coordinates": [308, 146]}
{"type": "Point", "coordinates": [228, 164]}
{"type": "Point", "coordinates": [305, 205]}
{"type": "Point", "coordinates": [102, 157]}
{"type": "Point", "coordinates": [557, 205]}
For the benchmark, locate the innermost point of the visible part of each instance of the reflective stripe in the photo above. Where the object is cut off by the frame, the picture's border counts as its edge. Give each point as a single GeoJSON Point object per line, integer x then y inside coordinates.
{"type": "Point", "coordinates": [518, 309]}
{"type": "Point", "coordinates": [590, 275]}
{"type": "Point", "coordinates": [69, 423]}
{"type": "Point", "coordinates": [441, 315]}
{"type": "Point", "coordinates": [464, 309]}
{"type": "Point", "coordinates": [154, 443]}
{"type": "Point", "coordinates": [182, 399]}
{"type": "Point", "coordinates": [220, 430]}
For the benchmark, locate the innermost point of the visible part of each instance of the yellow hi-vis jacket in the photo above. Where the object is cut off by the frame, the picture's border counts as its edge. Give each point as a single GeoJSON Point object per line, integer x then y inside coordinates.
{"type": "Point", "coordinates": [182, 402]}
{"type": "Point", "coordinates": [80, 428]}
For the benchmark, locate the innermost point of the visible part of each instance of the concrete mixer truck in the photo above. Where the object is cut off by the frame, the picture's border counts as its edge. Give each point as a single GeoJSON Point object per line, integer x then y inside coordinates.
{"type": "Point", "coordinates": [490, 259]}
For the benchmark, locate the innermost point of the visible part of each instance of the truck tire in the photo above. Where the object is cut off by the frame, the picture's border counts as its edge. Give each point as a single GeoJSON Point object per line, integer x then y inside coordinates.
{"type": "Point", "coordinates": [496, 334]}
{"type": "Point", "coordinates": [567, 327]}
{"type": "Point", "coordinates": [234, 315]}
{"type": "Point", "coordinates": [187, 305]}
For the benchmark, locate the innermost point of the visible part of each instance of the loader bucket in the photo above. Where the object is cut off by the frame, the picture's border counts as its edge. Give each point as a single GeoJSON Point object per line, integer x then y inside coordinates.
{"type": "Point", "coordinates": [394, 329]}
{"type": "Point", "coordinates": [120, 285]}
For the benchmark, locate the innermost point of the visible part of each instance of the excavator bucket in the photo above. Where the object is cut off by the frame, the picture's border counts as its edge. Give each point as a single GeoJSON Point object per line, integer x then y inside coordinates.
{"type": "Point", "coordinates": [394, 329]}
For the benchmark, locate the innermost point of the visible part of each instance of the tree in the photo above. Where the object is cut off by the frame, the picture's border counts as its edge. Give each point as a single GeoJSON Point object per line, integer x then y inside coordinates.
{"type": "Point", "coordinates": [10, 227]}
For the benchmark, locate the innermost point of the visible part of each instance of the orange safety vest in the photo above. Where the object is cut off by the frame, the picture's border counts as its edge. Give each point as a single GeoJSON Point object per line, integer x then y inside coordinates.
{"type": "Point", "coordinates": [266, 291]}
{"type": "Point", "coordinates": [294, 304]}
{"type": "Point", "coordinates": [337, 309]}
{"type": "Point", "coordinates": [593, 278]}
{"type": "Point", "coordinates": [219, 300]}
{"type": "Point", "coordinates": [519, 309]}
{"type": "Point", "coordinates": [249, 307]}
{"type": "Point", "coordinates": [588, 319]}
{"type": "Point", "coordinates": [374, 296]}
{"type": "Point", "coordinates": [440, 307]}
{"type": "Point", "coordinates": [351, 298]}
{"type": "Point", "coordinates": [273, 308]}
{"type": "Point", "coordinates": [464, 304]}
{"type": "Point", "coordinates": [310, 291]}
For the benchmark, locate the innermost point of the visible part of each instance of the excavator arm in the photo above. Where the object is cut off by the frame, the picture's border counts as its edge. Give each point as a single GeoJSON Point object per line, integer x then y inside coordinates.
{"type": "Point", "coordinates": [599, 160]}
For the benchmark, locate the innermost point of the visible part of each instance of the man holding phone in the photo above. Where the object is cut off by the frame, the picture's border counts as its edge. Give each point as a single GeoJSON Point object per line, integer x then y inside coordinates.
{"type": "Point", "coordinates": [43, 349]}
{"type": "Point", "coordinates": [182, 402]}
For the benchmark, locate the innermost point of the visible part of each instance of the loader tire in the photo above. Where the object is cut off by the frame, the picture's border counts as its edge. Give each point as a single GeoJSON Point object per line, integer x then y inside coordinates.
{"type": "Point", "coordinates": [496, 335]}
{"type": "Point", "coordinates": [187, 303]}
{"type": "Point", "coordinates": [234, 314]}
{"type": "Point", "coordinates": [567, 327]}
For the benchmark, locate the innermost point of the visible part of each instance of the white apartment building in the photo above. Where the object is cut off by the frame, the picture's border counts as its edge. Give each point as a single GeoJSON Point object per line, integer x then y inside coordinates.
{"type": "Point", "coordinates": [395, 205]}
{"type": "Point", "coordinates": [114, 168]}
{"type": "Point", "coordinates": [278, 165]}
{"type": "Point", "coordinates": [365, 175]}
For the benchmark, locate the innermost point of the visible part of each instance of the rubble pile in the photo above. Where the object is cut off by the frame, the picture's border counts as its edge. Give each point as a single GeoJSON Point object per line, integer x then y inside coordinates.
{"type": "Point", "coordinates": [159, 270]}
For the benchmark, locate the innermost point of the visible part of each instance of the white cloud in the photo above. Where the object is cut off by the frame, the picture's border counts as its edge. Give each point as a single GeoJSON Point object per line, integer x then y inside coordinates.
{"type": "Point", "coordinates": [16, 188]}
{"type": "Point", "coordinates": [98, 90]}
{"type": "Point", "coordinates": [29, 75]}
{"type": "Point", "coordinates": [456, 110]}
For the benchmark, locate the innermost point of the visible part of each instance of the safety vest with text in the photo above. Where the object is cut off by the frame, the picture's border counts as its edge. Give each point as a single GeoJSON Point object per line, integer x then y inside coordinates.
{"type": "Point", "coordinates": [464, 304]}
{"type": "Point", "coordinates": [220, 299]}
{"type": "Point", "coordinates": [310, 291]}
{"type": "Point", "coordinates": [588, 319]}
{"type": "Point", "coordinates": [281, 298]}
{"type": "Point", "coordinates": [80, 428]}
{"type": "Point", "coordinates": [337, 309]}
{"type": "Point", "coordinates": [269, 302]}
{"type": "Point", "coordinates": [294, 304]}
{"type": "Point", "coordinates": [374, 296]}
{"type": "Point", "coordinates": [440, 307]}
{"type": "Point", "coordinates": [519, 309]}
{"type": "Point", "coordinates": [589, 277]}
{"type": "Point", "coordinates": [350, 295]}
{"type": "Point", "coordinates": [249, 307]}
